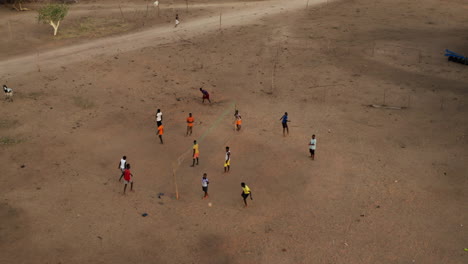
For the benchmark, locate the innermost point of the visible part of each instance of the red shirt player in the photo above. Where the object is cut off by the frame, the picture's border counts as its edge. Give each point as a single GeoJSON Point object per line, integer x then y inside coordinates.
{"type": "Point", "coordinates": [128, 178]}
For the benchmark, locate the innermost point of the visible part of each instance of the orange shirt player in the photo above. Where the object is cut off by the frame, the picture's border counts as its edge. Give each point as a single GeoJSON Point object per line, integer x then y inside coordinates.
{"type": "Point", "coordinates": [190, 121]}
{"type": "Point", "coordinates": [238, 120]}
{"type": "Point", "coordinates": [160, 133]}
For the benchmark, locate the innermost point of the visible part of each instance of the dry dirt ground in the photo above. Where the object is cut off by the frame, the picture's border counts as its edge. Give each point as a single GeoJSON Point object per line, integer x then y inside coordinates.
{"type": "Point", "coordinates": [387, 186]}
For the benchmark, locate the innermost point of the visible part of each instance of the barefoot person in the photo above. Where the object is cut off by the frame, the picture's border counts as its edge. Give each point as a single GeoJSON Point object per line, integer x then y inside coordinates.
{"type": "Point", "coordinates": [312, 146]}
{"type": "Point", "coordinates": [206, 95]}
{"type": "Point", "coordinates": [245, 193]}
{"type": "Point", "coordinates": [196, 153]}
{"type": "Point", "coordinates": [238, 120]}
{"type": "Point", "coordinates": [122, 166]}
{"type": "Point", "coordinates": [227, 160]}
{"type": "Point", "coordinates": [159, 117]}
{"type": "Point", "coordinates": [190, 121]}
{"type": "Point", "coordinates": [160, 133]}
{"type": "Point", "coordinates": [204, 184]}
{"type": "Point", "coordinates": [284, 121]}
{"type": "Point", "coordinates": [128, 178]}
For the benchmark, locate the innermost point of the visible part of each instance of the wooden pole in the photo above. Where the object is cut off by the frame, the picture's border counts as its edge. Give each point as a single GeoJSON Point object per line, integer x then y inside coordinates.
{"type": "Point", "coordinates": [121, 13]}
{"type": "Point", "coordinates": [146, 15]}
{"type": "Point", "coordinates": [186, 6]}
{"type": "Point", "coordinates": [9, 29]}
{"type": "Point", "coordinates": [175, 182]}
{"type": "Point", "coordinates": [373, 48]}
{"type": "Point", "coordinates": [307, 5]}
{"type": "Point", "coordinates": [220, 16]}
{"type": "Point", "coordinates": [384, 94]}
{"type": "Point", "coordinates": [37, 62]}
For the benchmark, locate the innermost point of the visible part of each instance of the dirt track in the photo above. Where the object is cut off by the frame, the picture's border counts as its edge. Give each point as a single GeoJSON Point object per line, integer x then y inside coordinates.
{"type": "Point", "coordinates": [152, 37]}
{"type": "Point", "coordinates": [388, 186]}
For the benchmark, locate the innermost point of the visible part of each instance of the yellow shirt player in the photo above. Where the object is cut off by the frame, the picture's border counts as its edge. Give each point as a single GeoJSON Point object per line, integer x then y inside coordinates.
{"type": "Point", "coordinates": [227, 160]}
{"type": "Point", "coordinates": [196, 153]}
{"type": "Point", "coordinates": [245, 193]}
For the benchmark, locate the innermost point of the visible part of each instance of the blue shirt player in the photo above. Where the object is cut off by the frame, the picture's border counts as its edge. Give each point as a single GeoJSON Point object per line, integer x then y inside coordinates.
{"type": "Point", "coordinates": [284, 121]}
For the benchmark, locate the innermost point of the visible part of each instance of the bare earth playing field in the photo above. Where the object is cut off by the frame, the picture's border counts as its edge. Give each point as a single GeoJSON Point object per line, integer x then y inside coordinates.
{"type": "Point", "coordinates": [387, 186]}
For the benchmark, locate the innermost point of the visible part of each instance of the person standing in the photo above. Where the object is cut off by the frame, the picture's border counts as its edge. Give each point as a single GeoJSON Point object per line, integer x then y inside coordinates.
{"type": "Point", "coordinates": [159, 117]}
{"type": "Point", "coordinates": [128, 178]}
{"type": "Point", "coordinates": [196, 153]}
{"type": "Point", "coordinates": [190, 121]}
{"type": "Point", "coordinates": [177, 22]}
{"type": "Point", "coordinates": [246, 192]}
{"type": "Point", "coordinates": [284, 121]}
{"type": "Point", "coordinates": [227, 160]}
{"type": "Point", "coordinates": [312, 147]}
{"type": "Point", "coordinates": [160, 133]}
{"type": "Point", "coordinates": [122, 166]}
{"type": "Point", "coordinates": [238, 120]}
{"type": "Point", "coordinates": [204, 185]}
{"type": "Point", "coordinates": [206, 95]}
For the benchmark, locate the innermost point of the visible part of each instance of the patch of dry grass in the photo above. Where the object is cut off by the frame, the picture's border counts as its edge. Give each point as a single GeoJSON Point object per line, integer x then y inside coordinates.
{"type": "Point", "coordinates": [82, 102]}
{"type": "Point", "coordinates": [9, 140]}
{"type": "Point", "coordinates": [93, 27]}
{"type": "Point", "coordinates": [5, 123]}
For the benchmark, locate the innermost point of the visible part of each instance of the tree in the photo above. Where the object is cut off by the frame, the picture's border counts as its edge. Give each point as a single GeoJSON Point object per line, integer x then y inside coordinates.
{"type": "Point", "coordinates": [52, 14]}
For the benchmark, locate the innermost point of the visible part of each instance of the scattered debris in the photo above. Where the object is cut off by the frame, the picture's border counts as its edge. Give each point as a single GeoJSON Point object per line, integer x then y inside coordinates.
{"type": "Point", "coordinates": [387, 107]}
{"type": "Point", "coordinates": [160, 194]}
{"type": "Point", "coordinates": [99, 237]}
{"type": "Point", "coordinates": [144, 215]}
{"type": "Point", "coordinates": [23, 166]}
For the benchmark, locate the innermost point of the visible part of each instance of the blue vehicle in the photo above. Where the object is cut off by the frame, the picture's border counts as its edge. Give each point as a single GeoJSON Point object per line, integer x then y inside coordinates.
{"type": "Point", "coordinates": [455, 57]}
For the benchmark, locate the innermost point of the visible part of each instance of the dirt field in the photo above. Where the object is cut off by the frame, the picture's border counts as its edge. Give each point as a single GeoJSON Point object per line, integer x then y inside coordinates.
{"type": "Point", "coordinates": [387, 186]}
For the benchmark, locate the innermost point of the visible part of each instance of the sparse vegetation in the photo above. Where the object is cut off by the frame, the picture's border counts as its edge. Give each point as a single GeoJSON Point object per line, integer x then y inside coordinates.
{"type": "Point", "coordinates": [52, 14]}
{"type": "Point", "coordinates": [9, 140]}
{"type": "Point", "coordinates": [5, 123]}
{"type": "Point", "coordinates": [82, 102]}
{"type": "Point", "coordinates": [94, 27]}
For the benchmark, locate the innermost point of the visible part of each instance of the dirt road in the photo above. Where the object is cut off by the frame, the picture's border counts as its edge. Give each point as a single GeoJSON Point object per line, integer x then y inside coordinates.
{"type": "Point", "coordinates": [250, 13]}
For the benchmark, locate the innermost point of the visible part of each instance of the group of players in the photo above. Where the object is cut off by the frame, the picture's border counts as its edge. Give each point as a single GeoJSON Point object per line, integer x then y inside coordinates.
{"type": "Point", "coordinates": [246, 191]}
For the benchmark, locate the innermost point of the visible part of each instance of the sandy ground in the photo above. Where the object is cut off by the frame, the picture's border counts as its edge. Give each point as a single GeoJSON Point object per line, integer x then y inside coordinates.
{"type": "Point", "coordinates": [387, 186]}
